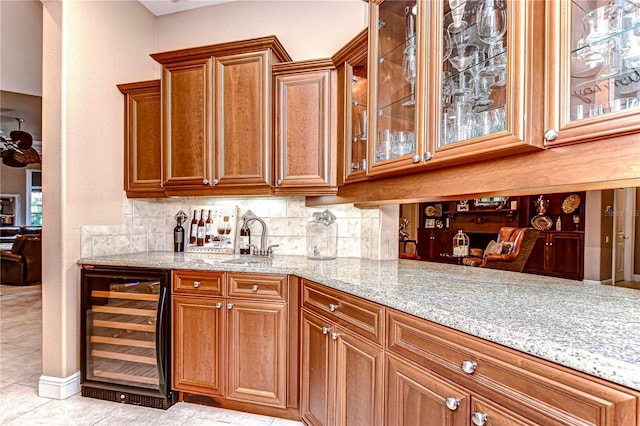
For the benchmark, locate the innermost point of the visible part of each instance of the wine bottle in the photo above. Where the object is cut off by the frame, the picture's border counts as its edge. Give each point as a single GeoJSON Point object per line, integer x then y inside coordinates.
{"type": "Point", "coordinates": [178, 236]}
{"type": "Point", "coordinates": [208, 228]}
{"type": "Point", "coordinates": [193, 234]}
{"type": "Point", "coordinates": [245, 240]}
{"type": "Point", "coordinates": [201, 230]}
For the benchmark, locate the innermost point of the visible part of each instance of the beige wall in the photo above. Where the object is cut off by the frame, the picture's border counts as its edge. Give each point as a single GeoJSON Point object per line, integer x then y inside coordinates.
{"type": "Point", "coordinates": [13, 180]}
{"type": "Point", "coordinates": [306, 29]}
{"type": "Point", "coordinates": [89, 47]}
{"type": "Point", "coordinates": [21, 51]}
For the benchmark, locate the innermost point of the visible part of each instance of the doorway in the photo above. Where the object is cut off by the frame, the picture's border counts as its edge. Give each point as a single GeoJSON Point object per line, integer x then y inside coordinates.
{"type": "Point", "coordinates": [624, 233]}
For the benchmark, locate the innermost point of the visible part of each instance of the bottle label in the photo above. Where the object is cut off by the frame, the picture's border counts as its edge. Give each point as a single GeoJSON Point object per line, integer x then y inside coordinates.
{"type": "Point", "coordinates": [209, 229]}
{"type": "Point", "coordinates": [194, 230]}
{"type": "Point", "coordinates": [244, 241]}
{"type": "Point", "coordinates": [201, 232]}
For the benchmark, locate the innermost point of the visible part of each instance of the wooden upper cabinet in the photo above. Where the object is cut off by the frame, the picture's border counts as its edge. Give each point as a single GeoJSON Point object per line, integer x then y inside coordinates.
{"type": "Point", "coordinates": [353, 88]}
{"type": "Point", "coordinates": [142, 140]}
{"type": "Point", "coordinates": [485, 92]}
{"type": "Point", "coordinates": [243, 117]}
{"type": "Point", "coordinates": [217, 117]}
{"type": "Point", "coordinates": [396, 64]}
{"type": "Point", "coordinates": [186, 141]}
{"type": "Point", "coordinates": [593, 76]}
{"type": "Point", "coordinates": [305, 127]}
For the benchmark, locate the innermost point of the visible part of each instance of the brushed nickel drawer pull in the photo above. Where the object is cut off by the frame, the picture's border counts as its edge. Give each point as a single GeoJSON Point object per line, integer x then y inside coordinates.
{"type": "Point", "coordinates": [196, 284]}
{"type": "Point", "coordinates": [326, 330]}
{"type": "Point", "coordinates": [333, 307]}
{"type": "Point", "coordinates": [229, 305]}
{"type": "Point", "coordinates": [254, 287]}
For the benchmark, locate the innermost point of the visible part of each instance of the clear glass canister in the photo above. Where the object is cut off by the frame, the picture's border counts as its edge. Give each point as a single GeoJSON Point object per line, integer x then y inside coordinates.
{"type": "Point", "coordinates": [322, 236]}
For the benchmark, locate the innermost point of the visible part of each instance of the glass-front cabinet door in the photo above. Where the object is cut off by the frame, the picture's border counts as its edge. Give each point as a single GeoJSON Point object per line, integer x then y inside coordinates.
{"type": "Point", "coordinates": [594, 70]}
{"type": "Point", "coordinates": [353, 93]}
{"type": "Point", "coordinates": [395, 67]}
{"type": "Point", "coordinates": [486, 59]}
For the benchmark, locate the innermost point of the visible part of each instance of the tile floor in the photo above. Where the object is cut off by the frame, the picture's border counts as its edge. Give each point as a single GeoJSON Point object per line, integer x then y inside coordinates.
{"type": "Point", "coordinates": [21, 367]}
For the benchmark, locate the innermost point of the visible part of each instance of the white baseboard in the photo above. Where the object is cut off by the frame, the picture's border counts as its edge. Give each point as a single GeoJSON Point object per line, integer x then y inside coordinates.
{"type": "Point", "coordinates": [636, 277]}
{"type": "Point", "coordinates": [59, 387]}
{"type": "Point", "coordinates": [605, 282]}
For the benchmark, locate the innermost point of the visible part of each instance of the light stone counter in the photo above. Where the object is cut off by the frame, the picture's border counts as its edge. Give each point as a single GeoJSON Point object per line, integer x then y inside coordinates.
{"type": "Point", "coordinates": [590, 328]}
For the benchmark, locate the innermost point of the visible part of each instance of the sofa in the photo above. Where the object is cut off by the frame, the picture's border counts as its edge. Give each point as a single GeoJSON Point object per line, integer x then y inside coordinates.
{"type": "Point", "coordinates": [22, 264]}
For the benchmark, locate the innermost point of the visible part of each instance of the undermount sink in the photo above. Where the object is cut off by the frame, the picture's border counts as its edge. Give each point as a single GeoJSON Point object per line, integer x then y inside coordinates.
{"type": "Point", "coordinates": [247, 260]}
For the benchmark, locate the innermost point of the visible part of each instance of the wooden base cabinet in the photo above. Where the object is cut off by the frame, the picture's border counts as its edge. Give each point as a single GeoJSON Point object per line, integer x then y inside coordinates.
{"type": "Point", "coordinates": [342, 358]}
{"type": "Point", "coordinates": [506, 387]}
{"type": "Point", "coordinates": [198, 350]}
{"type": "Point", "coordinates": [236, 350]}
{"type": "Point", "coordinates": [416, 397]}
{"type": "Point", "coordinates": [342, 375]}
{"type": "Point", "coordinates": [559, 254]}
{"type": "Point", "coordinates": [257, 343]}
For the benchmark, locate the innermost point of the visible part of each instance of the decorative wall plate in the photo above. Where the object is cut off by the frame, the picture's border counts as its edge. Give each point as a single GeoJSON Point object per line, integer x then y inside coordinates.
{"type": "Point", "coordinates": [430, 211]}
{"type": "Point", "coordinates": [541, 223]}
{"type": "Point", "coordinates": [571, 203]}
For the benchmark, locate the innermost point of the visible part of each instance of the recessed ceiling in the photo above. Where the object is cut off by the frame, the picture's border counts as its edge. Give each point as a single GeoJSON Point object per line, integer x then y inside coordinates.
{"type": "Point", "coordinates": [165, 7]}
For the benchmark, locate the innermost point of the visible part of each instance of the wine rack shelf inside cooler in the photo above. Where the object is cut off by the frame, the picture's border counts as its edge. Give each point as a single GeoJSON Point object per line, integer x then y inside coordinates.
{"type": "Point", "coordinates": [121, 336]}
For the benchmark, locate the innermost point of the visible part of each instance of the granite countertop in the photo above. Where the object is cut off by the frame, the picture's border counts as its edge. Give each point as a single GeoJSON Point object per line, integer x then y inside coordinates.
{"type": "Point", "coordinates": [590, 328]}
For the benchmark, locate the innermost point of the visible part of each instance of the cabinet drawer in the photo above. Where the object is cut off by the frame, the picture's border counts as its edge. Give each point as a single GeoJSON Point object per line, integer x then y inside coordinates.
{"type": "Point", "coordinates": [536, 389]}
{"type": "Point", "coordinates": [198, 282]}
{"type": "Point", "coordinates": [264, 287]}
{"type": "Point", "coordinates": [361, 316]}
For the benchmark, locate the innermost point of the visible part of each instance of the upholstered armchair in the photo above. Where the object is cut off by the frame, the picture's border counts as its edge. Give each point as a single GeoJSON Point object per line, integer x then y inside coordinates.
{"type": "Point", "coordinates": [23, 263]}
{"type": "Point", "coordinates": [510, 252]}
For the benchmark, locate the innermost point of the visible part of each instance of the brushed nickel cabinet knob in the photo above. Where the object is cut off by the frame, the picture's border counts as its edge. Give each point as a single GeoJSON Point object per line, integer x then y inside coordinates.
{"type": "Point", "coordinates": [550, 135]}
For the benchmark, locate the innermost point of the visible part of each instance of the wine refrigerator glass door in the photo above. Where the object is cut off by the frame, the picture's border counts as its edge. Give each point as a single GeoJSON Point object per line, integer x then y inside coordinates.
{"type": "Point", "coordinates": [594, 70]}
{"type": "Point", "coordinates": [123, 321]}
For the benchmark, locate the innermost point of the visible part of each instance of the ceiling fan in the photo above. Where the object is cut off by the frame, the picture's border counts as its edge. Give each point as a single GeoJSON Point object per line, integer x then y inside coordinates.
{"type": "Point", "coordinates": [17, 151]}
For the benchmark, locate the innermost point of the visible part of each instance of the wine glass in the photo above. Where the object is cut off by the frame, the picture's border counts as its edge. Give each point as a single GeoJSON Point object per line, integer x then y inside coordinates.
{"type": "Point", "coordinates": [461, 56]}
{"type": "Point", "coordinates": [446, 45]}
{"type": "Point", "coordinates": [491, 24]}
{"type": "Point", "coordinates": [409, 72]}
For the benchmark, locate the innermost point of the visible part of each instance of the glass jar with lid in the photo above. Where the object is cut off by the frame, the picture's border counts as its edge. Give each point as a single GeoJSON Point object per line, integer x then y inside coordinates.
{"type": "Point", "coordinates": [322, 236]}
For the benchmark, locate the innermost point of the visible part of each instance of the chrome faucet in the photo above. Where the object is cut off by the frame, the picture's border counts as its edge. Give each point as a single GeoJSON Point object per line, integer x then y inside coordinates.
{"type": "Point", "coordinates": [268, 252]}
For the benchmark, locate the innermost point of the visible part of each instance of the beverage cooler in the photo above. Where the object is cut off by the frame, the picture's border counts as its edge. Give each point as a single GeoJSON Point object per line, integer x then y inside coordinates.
{"type": "Point", "coordinates": [125, 344]}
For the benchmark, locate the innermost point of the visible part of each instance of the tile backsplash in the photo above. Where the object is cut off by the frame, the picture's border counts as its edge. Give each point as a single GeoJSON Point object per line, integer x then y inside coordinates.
{"type": "Point", "coordinates": [147, 225]}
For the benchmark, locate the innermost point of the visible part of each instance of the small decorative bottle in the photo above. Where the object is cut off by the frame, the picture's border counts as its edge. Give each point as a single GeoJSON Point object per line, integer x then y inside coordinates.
{"type": "Point", "coordinates": [460, 244]}
{"type": "Point", "coordinates": [558, 224]}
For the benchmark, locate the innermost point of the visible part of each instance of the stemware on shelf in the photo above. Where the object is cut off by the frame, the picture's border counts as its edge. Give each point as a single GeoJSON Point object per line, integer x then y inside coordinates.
{"type": "Point", "coordinates": [605, 64]}
{"type": "Point", "coordinates": [479, 57]}
{"type": "Point", "coordinates": [491, 25]}
{"type": "Point", "coordinates": [409, 55]}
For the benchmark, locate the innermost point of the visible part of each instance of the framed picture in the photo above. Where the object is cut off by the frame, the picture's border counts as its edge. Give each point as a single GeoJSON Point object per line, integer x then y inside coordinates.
{"type": "Point", "coordinates": [462, 206]}
{"type": "Point", "coordinates": [430, 223]}
{"type": "Point", "coordinates": [438, 209]}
